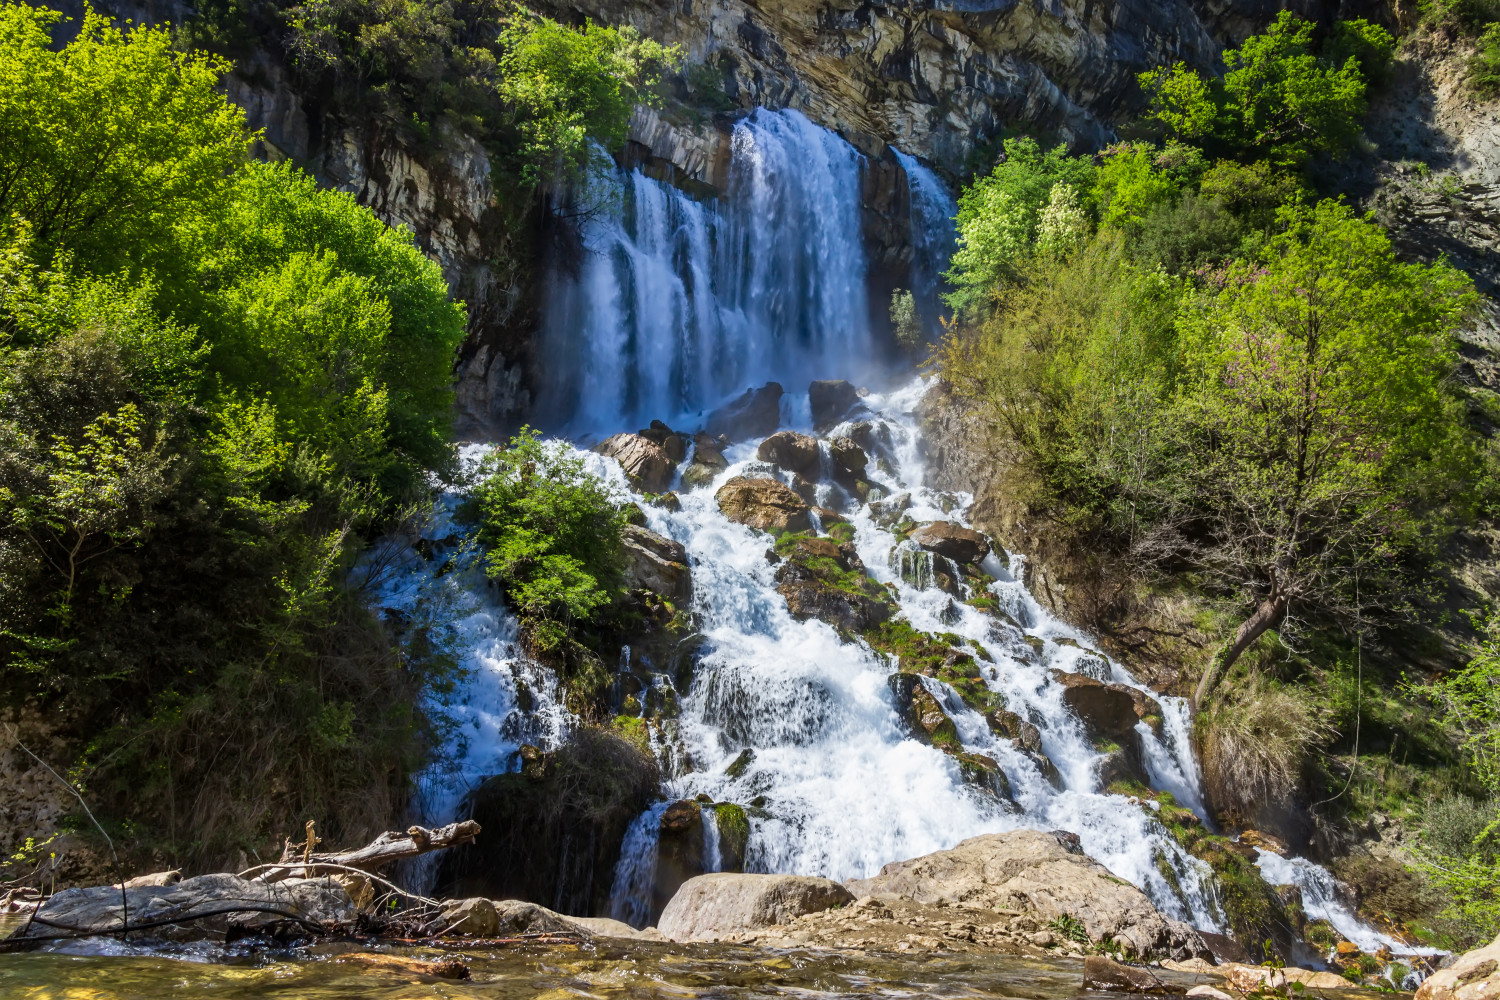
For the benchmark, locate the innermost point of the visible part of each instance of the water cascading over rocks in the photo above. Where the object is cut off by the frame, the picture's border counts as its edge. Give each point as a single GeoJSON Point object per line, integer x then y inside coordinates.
{"type": "Point", "coordinates": [797, 747]}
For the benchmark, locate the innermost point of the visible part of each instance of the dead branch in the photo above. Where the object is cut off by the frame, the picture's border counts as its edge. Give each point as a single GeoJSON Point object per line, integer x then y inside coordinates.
{"type": "Point", "coordinates": [389, 846]}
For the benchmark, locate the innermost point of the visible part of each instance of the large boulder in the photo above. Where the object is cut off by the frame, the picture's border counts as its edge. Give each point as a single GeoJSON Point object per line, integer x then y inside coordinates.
{"type": "Point", "coordinates": [1108, 711]}
{"type": "Point", "coordinates": [765, 504]}
{"type": "Point", "coordinates": [793, 452]}
{"type": "Point", "coordinates": [656, 563]}
{"type": "Point", "coordinates": [824, 579]}
{"type": "Point", "coordinates": [849, 461]}
{"type": "Point", "coordinates": [921, 716]}
{"type": "Point", "coordinates": [646, 463]}
{"type": "Point", "coordinates": [755, 414]}
{"type": "Point", "coordinates": [1039, 873]}
{"type": "Point", "coordinates": [1475, 976]}
{"type": "Point", "coordinates": [671, 442]}
{"type": "Point", "coordinates": [198, 907]}
{"type": "Point", "coordinates": [830, 402]}
{"type": "Point", "coordinates": [708, 461]}
{"type": "Point", "coordinates": [711, 907]}
{"type": "Point", "coordinates": [953, 541]}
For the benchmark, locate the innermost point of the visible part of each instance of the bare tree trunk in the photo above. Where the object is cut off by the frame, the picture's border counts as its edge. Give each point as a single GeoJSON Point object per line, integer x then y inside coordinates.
{"type": "Point", "coordinates": [1253, 628]}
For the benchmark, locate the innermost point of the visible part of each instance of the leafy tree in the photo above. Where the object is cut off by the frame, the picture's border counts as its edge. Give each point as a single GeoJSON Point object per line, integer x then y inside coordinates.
{"type": "Point", "coordinates": [106, 139]}
{"type": "Point", "coordinates": [1129, 185]}
{"type": "Point", "coordinates": [552, 533]}
{"type": "Point", "coordinates": [568, 86]}
{"type": "Point", "coordinates": [1277, 100]}
{"type": "Point", "coordinates": [998, 217]}
{"type": "Point", "coordinates": [1316, 431]}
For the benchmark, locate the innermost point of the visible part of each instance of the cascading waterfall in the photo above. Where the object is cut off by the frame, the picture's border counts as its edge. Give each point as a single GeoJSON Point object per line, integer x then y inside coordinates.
{"type": "Point", "coordinates": [934, 235]}
{"type": "Point", "coordinates": [675, 303]}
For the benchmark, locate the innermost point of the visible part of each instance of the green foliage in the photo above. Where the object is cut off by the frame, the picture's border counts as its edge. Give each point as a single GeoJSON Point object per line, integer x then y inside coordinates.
{"type": "Point", "coordinates": [108, 138]}
{"type": "Point", "coordinates": [1278, 99]}
{"type": "Point", "coordinates": [567, 86]}
{"type": "Point", "coordinates": [998, 217]}
{"type": "Point", "coordinates": [904, 319]}
{"type": "Point", "coordinates": [216, 382]}
{"type": "Point", "coordinates": [1484, 67]}
{"type": "Point", "coordinates": [552, 534]}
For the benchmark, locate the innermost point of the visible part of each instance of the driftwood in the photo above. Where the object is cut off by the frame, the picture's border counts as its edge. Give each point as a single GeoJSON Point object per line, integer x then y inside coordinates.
{"type": "Point", "coordinates": [300, 861]}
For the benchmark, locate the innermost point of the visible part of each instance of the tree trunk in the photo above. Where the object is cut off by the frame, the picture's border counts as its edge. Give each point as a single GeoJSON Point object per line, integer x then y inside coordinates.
{"type": "Point", "coordinates": [1269, 610]}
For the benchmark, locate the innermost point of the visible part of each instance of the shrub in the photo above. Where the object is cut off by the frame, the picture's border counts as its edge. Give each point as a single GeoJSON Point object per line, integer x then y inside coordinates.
{"type": "Point", "coordinates": [1484, 67]}
{"type": "Point", "coordinates": [1255, 746]}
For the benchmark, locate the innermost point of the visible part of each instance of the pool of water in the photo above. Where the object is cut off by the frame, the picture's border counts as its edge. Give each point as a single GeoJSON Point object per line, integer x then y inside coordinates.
{"type": "Point", "coordinates": [599, 970]}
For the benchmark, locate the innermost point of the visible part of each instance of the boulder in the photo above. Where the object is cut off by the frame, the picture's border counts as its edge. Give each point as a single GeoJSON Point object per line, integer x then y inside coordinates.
{"type": "Point", "coordinates": [679, 850]}
{"type": "Point", "coordinates": [1108, 711]}
{"type": "Point", "coordinates": [605, 927]}
{"type": "Point", "coordinates": [921, 716]}
{"type": "Point", "coordinates": [97, 910]}
{"type": "Point", "coordinates": [656, 563]}
{"type": "Point", "coordinates": [824, 579]}
{"type": "Point", "coordinates": [475, 917]}
{"type": "Point", "coordinates": [1475, 976]}
{"type": "Point", "coordinates": [516, 916]}
{"type": "Point", "coordinates": [1035, 872]}
{"type": "Point", "coordinates": [1263, 979]}
{"type": "Point", "coordinates": [1023, 734]}
{"type": "Point", "coordinates": [764, 504]}
{"type": "Point", "coordinates": [793, 452]}
{"type": "Point", "coordinates": [645, 462]}
{"type": "Point", "coordinates": [830, 402]}
{"type": "Point", "coordinates": [962, 545]}
{"type": "Point", "coordinates": [705, 467]}
{"type": "Point", "coordinates": [888, 511]}
{"type": "Point", "coordinates": [710, 907]}
{"type": "Point", "coordinates": [849, 460]}
{"type": "Point", "coordinates": [755, 414]}
{"type": "Point", "coordinates": [671, 442]}
{"type": "Point", "coordinates": [1108, 976]}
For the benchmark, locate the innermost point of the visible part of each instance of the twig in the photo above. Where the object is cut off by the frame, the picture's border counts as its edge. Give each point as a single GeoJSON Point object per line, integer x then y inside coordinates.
{"type": "Point", "coordinates": [119, 872]}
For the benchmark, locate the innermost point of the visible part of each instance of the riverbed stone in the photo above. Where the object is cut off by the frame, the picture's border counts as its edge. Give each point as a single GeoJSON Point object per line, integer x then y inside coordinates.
{"type": "Point", "coordinates": [953, 541]}
{"type": "Point", "coordinates": [670, 441]}
{"type": "Point", "coordinates": [1108, 976]}
{"type": "Point", "coordinates": [1033, 872]}
{"type": "Point", "coordinates": [752, 415]}
{"type": "Point", "coordinates": [474, 917]}
{"type": "Point", "coordinates": [712, 907]}
{"type": "Point", "coordinates": [921, 716]}
{"type": "Point", "coordinates": [98, 909]}
{"type": "Point", "coordinates": [644, 462]}
{"type": "Point", "coordinates": [766, 504]}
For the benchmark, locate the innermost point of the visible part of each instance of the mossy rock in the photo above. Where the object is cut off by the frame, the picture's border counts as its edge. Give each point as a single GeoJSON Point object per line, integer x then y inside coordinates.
{"type": "Point", "coordinates": [734, 835]}
{"type": "Point", "coordinates": [983, 773]}
{"type": "Point", "coordinates": [740, 764]}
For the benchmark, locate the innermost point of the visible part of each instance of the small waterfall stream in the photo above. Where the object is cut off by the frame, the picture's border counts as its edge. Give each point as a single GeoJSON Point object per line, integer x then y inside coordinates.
{"type": "Point", "coordinates": [672, 306]}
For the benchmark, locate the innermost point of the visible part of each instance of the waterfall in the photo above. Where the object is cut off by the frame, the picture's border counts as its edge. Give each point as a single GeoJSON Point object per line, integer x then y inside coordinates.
{"type": "Point", "coordinates": [673, 304]}
{"type": "Point", "coordinates": [934, 236]}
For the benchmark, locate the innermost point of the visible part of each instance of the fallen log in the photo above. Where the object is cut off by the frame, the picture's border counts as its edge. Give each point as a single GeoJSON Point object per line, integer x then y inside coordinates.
{"type": "Point", "coordinates": [299, 862]}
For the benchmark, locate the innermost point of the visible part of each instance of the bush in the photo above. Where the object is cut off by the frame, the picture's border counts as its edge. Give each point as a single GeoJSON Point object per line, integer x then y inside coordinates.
{"type": "Point", "coordinates": [1484, 67]}
{"type": "Point", "coordinates": [1255, 747]}
{"type": "Point", "coordinates": [1193, 233]}
{"type": "Point", "coordinates": [552, 534]}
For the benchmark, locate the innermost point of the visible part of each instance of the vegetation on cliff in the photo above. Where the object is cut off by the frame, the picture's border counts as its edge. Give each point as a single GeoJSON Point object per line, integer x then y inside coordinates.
{"type": "Point", "coordinates": [217, 384]}
{"type": "Point", "coordinates": [1238, 388]}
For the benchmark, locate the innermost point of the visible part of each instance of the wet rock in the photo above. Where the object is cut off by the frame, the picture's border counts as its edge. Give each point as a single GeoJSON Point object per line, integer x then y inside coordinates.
{"type": "Point", "coordinates": [656, 563]}
{"type": "Point", "coordinates": [473, 917]}
{"type": "Point", "coordinates": [962, 545]}
{"type": "Point", "coordinates": [668, 501]}
{"type": "Point", "coordinates": [793, 452]}
{"type": "Point", "coordinates": [607, 928]}
{"type": "Point", "coordinates": [830, 402]}
{"type": "Point", "coordinates": [921, 715]}
{"type": "Point", "coordinates": [873, 437]}
{"type": "Point", "coordinates": [1474, 976]}
{"type": "Point", "coordinates": [1003, 722]}
{"type": "Point", "coordinates": [764, 504]}
{"type": "Point", "coordinates": [98, 910]}
{"type": "Point", "coordinates": [740, 764]}
{"type": "Point", "coordinates": [705, 467]}
{"type": "Point", "coordinates": [645, 463]}
{"type": "Point", "coordinates": [1032, 872]}
{"type": "Point", "coordinates": [823, 579]}
{"type": "Point", "coordinates": [733, 828]}
{"type": "Point", "coordinates": [1263, 842]}
{"type": "Point", "coordinates": [679, 850]}
{"type": "Point", "coordinates": [516, 916]}
{"type": "Point", "coordinates": [1108, 711]}
{"type": "Point", "coordinates": [1108, 976]}
{"type": "Point", "coordinates": [711, 907]}
{"type": "Point", "coordinates": [670, 442]}
{"type": "Point", "coordinates": [849, 461]}
{"type": "Point", "coordinates": [888, 511]}
{"type": "Point", "coordinates": [1225, 948]}
{"type": "Point", "coordinates": [983, 773]}
{"type": "Point", "coordinates": [755, 414]}
{"type": "Point", "coordinates": [1260, 978]}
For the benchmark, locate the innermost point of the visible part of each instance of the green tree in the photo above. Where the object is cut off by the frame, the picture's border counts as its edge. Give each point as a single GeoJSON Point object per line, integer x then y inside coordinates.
{"type": "Point", "coordinates": [103, 141]}
{"type": "Point", "coordinates": [568, 86]}
{"type": "Point", "coordinates": [1317, 434]}
{"type": "Point", "coordinates": [552, 533]}
{"type": "Point", "coordinates": [1278, 98]}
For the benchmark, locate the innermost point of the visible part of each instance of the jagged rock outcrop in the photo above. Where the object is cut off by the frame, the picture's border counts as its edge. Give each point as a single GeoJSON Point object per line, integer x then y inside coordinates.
{"type": "Point", "coordinates": [933, 78]}
{"type": "Point", "coordinates": [645, 463]}
{"type": "Point", "coordinates": [1475, 976]}
{"type": "Point", "coordinates": [830, 400]}
{"type": "Point", "coordinates": [952, 541]}
{"type": "Point", "coordinates": [824, 579]}
{"type": "Point", "coordinates": [793, 452]}
{"type": "Point", "coordinates": [752, 415]}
